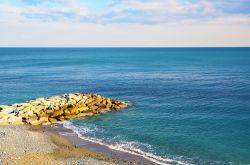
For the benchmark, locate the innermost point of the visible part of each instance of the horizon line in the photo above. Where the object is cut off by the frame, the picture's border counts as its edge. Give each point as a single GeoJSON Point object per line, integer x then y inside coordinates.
{"type": "Point", "coordinates": [124, 47]}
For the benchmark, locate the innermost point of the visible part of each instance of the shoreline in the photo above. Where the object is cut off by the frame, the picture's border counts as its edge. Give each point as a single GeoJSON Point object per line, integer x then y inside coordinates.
{"type": "Point", "coordinates": [47, 111]}
{"type": "Point", "coordinates": [55, 144]}
{"type": "Point", "coordinates": [120, 156]}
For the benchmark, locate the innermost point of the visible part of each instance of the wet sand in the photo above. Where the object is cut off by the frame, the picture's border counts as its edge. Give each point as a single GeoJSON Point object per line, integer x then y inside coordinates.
{"type": "Point", "coordinates": [36, 145]}
{"type": "Point", "coordinates": [57, 145]}
{"type": "Point", "coordinates": [121, 157]}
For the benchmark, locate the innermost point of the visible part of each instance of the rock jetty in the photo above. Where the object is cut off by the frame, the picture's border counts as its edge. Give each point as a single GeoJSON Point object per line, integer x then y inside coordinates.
{"type": "Point", "coordinates": [57, 108]}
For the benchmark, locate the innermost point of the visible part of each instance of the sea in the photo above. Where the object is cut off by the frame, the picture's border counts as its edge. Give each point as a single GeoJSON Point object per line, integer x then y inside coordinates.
{"type": "Point", "coordinates": [187, 105]}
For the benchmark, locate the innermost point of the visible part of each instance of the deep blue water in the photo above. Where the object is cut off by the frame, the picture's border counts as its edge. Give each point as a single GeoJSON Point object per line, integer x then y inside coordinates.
{"type": "Point", "coordinates": [188, 104]}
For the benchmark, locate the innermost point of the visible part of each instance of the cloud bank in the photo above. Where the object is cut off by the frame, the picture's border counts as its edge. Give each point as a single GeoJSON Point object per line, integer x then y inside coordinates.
{"type": "Point", "coordinates": [124, 23]}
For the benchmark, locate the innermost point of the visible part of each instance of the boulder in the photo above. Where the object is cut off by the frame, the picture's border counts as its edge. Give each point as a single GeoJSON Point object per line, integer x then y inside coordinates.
{"type": "Point", "coordinates": [37, 109]}
{"type": "Point", "coordinates": [82, 109]}
{"type": "Point", "coordinates": [81, 103]}
{"type": "Point", "coordinates": [73, 112]}
{"type": "Point", "coordinates": [109, 104]}
{"type": "Point", "coordinates": [41, 100]}
{"type": "Point", "coordinates": [57, 113]}
{"type": "Point", "coordinates": [123, 105]}
{"type": "Point", "coordinates": [35, 122]}
{"type": "Point", "coordinates": [62, 118]}
{"type": "Point", "coordinates": [57, 108]}
{"type": "Point", "coordinates": [70, 117]}
{"type": "Point", "coordinates": [115, 107]}
{"type": "Point", "coordinates": [89, 100]}
{"type": "Point", "coordinates": [101, 110]}
{"type": "Point", "coordinates": [81, 115]}
{"type": "Point", "coordinates": [92, 103]}
{"type": "Point", "coordinates": [67, 112]}
{"type": "Point", "coordinates": [8, 109]}
{"type": "Point", "coordinates": [52, 120]}
{"type": "Point", "coordinates": [29, 113]}
{"type": "Point", "coordinates": [4, 122]}
{"type": "Point", "coordinates": [93, 107]}
{"type": "Point", "coordinates": [26, 109]}
{"type": "Point", "coordinates": [32, 117]}
{"type": "Point", "coordinates": [46, 123]}
{"type": "Point", "coordinates": [89, 114]}
{"type": "Point", "coordinates": [15, 120]}
{"type": "Point", "coordinates": [49, 111]}
{"type": "Point", "coordinates": [44, 119]}
{"type": "Point", "coordinates": [99, 99]}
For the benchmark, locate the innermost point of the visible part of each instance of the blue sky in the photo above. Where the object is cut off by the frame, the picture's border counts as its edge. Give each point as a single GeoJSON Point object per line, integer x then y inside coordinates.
{"type": "Point", "coordinates": [218, 18]}
{"type": "Point", "coordinates": [130, 11]}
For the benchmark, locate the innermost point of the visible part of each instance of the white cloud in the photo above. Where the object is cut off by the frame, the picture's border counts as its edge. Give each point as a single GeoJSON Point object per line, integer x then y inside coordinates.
{"type": "Point", "coordinates": [127, 11]}
{"type": "Point", "coordinates": [162, 11]}
{"type": "Point", "coordinates": [176, 24]}
{"type": "Point", "coordinates": [156, 6]}
{"type": "Point", "coordinates": [45, 11]}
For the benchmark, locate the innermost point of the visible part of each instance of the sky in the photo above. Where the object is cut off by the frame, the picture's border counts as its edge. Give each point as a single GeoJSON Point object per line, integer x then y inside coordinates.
{"type": "Point", "coordinates": [124, 23]}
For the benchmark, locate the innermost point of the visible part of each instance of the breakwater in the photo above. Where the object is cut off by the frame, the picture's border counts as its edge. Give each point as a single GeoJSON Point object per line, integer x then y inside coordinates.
{"type": "Point", "coordinates": [57, 108]}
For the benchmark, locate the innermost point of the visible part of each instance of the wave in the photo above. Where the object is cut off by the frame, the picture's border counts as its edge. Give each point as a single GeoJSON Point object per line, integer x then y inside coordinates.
{"type": "Point", "coordinates": [124, 146]}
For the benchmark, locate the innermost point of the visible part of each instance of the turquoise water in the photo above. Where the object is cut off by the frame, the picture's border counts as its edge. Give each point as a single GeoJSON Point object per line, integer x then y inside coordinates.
{"type": "Point", "coordinates": [187, 105]}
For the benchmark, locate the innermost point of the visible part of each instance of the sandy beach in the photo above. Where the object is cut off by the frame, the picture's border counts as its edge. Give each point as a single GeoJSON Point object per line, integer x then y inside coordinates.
{"type": "Point", "coordinates": [24, 142]}
{"type": "Point", "coordinates": [34, 145]}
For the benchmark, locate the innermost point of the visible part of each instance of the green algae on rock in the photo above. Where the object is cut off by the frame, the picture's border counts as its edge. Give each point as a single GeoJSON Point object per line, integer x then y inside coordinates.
{"type": "Point", "coordinates": [57, 108]}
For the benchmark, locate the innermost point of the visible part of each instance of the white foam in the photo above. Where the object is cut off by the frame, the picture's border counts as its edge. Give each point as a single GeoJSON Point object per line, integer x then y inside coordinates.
{"type": "Point", "coordinates": [128, 147]}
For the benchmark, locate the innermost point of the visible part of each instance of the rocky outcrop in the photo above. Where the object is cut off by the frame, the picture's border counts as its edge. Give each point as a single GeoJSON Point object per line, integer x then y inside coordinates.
{"type": "Point", "coordinates": [57, 108]}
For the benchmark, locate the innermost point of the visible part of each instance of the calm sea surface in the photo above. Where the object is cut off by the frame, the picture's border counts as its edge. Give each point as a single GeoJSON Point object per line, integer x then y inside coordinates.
{"type": "Point", "coordinates": [187, 105]}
